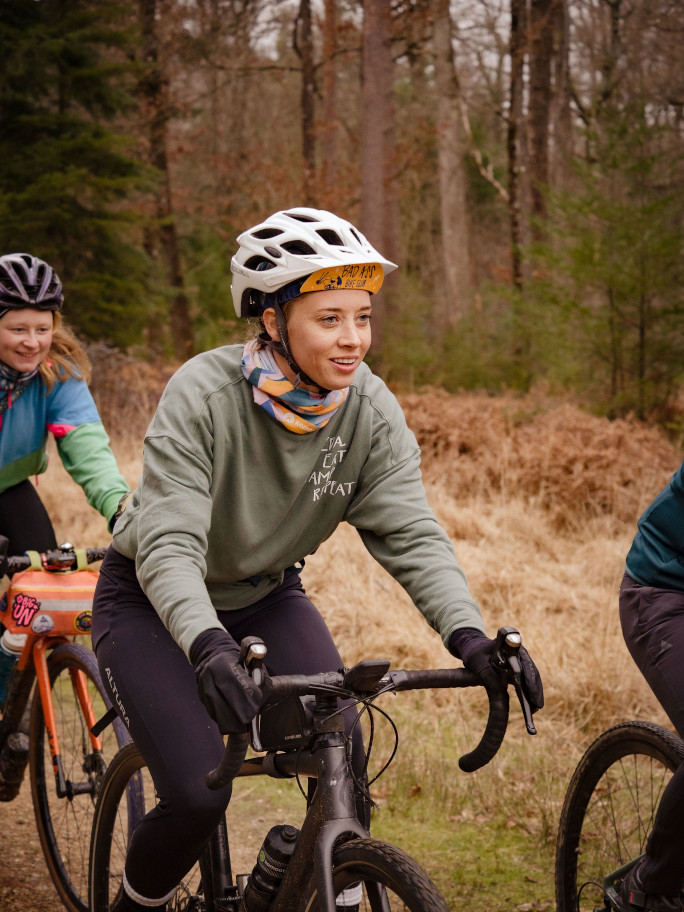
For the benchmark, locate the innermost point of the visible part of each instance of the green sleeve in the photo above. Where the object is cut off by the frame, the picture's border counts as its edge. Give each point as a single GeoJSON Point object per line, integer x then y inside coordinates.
{"type": "Point", "coordinates": [88, 458]}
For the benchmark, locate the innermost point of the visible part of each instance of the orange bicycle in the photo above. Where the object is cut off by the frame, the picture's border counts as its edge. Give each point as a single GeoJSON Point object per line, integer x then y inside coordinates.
{"type": "Point", "coordinates": [54, 697]}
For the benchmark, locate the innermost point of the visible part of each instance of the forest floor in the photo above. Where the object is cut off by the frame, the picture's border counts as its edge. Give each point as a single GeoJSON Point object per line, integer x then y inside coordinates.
{"type": "Point", "coordinates": [24, 883]}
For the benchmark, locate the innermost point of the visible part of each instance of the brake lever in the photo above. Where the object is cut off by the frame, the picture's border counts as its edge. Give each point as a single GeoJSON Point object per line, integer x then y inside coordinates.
{"type": "Point", "coordinates": [506, 658]}
{"type": "Point", "coordinates": [252, 654]}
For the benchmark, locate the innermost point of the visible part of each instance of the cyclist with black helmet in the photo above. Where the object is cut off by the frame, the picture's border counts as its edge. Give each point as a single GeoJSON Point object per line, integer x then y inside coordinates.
{"type": "Point", "coordinates": [43, 390]}
{"type": "Point", "coordinates": [255, 455]}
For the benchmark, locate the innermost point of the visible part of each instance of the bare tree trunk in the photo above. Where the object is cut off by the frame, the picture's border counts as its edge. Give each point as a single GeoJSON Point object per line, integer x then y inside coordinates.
{"type": "Point", "coordinates": [454, 302]}
{"type": "Point", "coordinates": [154, 92]}
{"type": "Point", "coordinates": [542, 15]}
{"type": "Point", "coordinates": [303, 43]}
{"type": "Point", "coordinates": [561, 118]}
{"type": "Point", "coordinates": [515, 128]}
{"type": "Point", "coordinates": [330, 133]}
{"type": "Point", "coordinates": [379, 205]}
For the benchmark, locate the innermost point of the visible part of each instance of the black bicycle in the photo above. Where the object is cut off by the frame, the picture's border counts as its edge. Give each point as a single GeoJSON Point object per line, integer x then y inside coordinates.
{"type": "Point", "coordinates": [331, 861]}
{"type": "Point", "coordinates": [608, 814]}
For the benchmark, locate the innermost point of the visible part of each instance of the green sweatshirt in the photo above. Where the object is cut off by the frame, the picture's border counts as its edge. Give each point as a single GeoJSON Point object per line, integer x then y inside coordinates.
{"type": "Point", "coordinates": [228, 493]}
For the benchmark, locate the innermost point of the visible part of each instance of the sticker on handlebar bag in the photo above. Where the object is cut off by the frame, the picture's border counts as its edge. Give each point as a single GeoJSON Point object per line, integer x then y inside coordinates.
{"type": "Point", "coordinates": [42, 623]}
{"type": "Point", "coordinates": [64, 597]}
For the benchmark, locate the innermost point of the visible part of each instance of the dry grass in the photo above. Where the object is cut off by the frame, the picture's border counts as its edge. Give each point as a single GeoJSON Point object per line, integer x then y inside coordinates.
{"type": "Point", "coordinates": [541, 502]}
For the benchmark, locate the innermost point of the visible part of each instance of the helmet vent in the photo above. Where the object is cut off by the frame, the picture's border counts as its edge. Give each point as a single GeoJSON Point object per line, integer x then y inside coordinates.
{"type": "Point", "coordinates": [356, 235]}
{"type": "Point", "coordinates": [301, 217]}
{"type": "Point", "coordinates": [300, 248]}
{"type": "Point", "coordinates": [266, 233]}
{"type": "Point", "coordinates": [330, 237]}
{"type": "Point", "coordinates": [259, 264]}
{"type": "Point", "coordinates": [273, 251]}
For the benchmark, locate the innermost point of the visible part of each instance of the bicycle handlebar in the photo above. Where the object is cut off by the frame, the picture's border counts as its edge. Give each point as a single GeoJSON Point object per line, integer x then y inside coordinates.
{"type": "Point", "coordinates": [337, 683]}
{"type": "Point", "coordinates": [497, 720]}
{"type": "Point", "coordinates": [61, 558]}
{"type": "Point", "coordinates": [277, 688]}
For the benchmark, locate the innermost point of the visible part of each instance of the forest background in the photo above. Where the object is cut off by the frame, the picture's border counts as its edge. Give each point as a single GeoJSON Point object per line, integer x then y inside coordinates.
{"type": "Point", "coordinates": [520, 159]}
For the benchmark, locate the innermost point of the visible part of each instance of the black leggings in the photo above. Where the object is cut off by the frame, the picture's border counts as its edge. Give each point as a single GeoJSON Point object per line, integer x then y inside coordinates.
{"type": "Point", "coordinates": [653, 627]}
{"type": "Point", "coordinates": [153, 686]}
{"type": "Point", "coordinates": [24, 520]}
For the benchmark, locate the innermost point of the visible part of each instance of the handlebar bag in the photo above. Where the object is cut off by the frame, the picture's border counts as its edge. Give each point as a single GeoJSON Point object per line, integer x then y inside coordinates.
{"type": "Point", "coordinates": [50, 601]}
{"type": "Point", "coordinates": [288, 725]}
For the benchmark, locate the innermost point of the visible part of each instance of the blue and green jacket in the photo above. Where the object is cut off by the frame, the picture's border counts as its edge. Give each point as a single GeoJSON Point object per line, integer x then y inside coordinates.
{"type": "Point", "coordinates": [656, 557]}
{"type": "Point", "coordinates": [70, 414]}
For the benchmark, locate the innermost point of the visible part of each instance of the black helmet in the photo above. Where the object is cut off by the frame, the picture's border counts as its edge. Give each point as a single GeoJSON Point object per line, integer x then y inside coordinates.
{"type": "Point", "coordinates": [26, 281]}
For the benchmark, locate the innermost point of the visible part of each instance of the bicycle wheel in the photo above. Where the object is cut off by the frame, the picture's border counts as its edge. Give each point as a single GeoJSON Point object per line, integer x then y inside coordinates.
{"type": "Point", "coordinates": [64, 822]}
{"type": "Point", "coordinates": [609, 809]}
{"type": "Point", "coordinates": [388, 880]}
{"type": "Point", "coordinates": [126, 795]}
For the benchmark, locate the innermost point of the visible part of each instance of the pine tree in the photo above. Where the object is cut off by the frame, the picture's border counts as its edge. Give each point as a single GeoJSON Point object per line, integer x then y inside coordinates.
{"type": "Point", "coordinates": [66, 170]}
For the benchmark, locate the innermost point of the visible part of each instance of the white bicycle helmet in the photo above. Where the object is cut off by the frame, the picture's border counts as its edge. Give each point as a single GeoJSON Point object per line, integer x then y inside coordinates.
{"type": "Point", "coordinates": [27, 281]}
{"type": "Point", "coordinates": [290, 246]}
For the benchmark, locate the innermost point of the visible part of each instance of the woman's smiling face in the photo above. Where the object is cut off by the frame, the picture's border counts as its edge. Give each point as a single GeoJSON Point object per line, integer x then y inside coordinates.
{"type": "Point", "coordinates": [25, 337]}
{"type": "Point", "coordinates": [329, 334]}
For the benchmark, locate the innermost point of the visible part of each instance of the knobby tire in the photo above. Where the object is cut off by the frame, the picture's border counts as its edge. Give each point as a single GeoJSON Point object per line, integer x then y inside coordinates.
{"type": "Point", "coordinates": [391, 880]}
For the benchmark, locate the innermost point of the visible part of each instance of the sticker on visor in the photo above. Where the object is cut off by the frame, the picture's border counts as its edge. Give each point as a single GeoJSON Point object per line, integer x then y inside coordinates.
{"type": "Point", "coordinates": [365, 276]}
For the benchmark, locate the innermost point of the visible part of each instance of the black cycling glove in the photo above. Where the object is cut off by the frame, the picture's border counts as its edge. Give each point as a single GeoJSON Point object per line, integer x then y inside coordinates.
{"type": "Point", "coordinates": [475, 651]}
{"type": "Point", "coordinates": [229, 694]}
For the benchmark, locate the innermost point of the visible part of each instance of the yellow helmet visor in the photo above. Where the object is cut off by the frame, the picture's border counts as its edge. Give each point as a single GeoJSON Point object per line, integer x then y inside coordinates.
{"type": "Point", "coordinates": [364, 276]}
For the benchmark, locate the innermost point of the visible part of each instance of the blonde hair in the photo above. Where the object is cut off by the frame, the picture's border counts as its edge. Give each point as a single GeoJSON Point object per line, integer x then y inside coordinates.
{"type": "Point", "coordinates": [66, 358]}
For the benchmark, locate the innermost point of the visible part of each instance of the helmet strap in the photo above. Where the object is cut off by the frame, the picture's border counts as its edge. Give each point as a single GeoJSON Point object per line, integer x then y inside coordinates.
{"type": "Point", "coordinates": [282, 347]}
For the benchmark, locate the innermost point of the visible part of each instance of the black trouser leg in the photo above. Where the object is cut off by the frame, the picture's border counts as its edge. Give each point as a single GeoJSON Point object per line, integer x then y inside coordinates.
{"type": "Point", "coordinates": [24, 520]}
{"type": "Point", "coordinates": [653, 626]}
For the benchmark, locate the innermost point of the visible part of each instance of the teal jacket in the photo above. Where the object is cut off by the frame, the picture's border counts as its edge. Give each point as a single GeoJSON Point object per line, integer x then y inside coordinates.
{"type": "Point", "coordinates": [70, 414]}
{"type": "Point", "coordinates": [229, 499]}
{"type": "Point", "coordinates": [656, 557]}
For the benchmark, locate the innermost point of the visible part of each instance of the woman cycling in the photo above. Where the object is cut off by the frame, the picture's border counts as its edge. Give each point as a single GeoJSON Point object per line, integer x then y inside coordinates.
{"type": "Point", "coordinates": [652, 618]}
{"type": "Point", "coordinates": [43, 389]}
{"type": "Point", "coordinates": [255, 455]}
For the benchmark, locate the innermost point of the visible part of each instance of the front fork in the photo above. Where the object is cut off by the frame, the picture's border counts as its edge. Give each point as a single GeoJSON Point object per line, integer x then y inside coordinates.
{"type": "Point", "coordinates": [39, 647]}
{"type": "Point", "coordinates": [331, 815]}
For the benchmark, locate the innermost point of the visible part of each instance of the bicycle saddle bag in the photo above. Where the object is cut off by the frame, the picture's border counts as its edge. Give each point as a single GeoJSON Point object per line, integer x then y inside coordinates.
{"type": "Point", "coordinates": [288, 725]}
{"type": "Point", "coordinates": [57, 602]}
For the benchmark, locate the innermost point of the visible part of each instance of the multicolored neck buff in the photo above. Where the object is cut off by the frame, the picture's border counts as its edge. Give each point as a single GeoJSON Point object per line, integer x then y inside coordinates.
{"type": "Point", "coordinates": [12, 384]}
{"type": "Point", "coordinates": [300, 410]}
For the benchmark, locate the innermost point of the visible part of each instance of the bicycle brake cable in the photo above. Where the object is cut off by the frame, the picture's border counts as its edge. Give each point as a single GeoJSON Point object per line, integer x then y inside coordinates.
{"type": "Point", "coordinates": [593, 883]}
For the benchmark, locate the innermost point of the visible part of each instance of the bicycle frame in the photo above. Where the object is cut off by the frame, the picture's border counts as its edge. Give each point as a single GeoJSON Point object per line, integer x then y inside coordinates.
{"type": "Point", "coordinates": [32, 665]}
{"type": "Point", "coordinates": [331, 814]}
